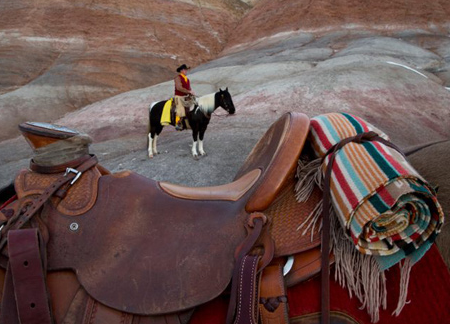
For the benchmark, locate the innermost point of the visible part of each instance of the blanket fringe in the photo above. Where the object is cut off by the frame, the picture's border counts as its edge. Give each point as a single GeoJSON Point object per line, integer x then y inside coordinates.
{"type": "Point", "coordinates": [359, 273]}
{"type": "Point", "coordinates": [308, 173]}
{"type": "Point", "coordinates": [405, 272]}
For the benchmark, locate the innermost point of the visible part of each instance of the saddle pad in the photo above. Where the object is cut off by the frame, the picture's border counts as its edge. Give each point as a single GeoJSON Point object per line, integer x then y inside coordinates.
{"type": "Point", "coordinates": [165, 116]}
{"type": "Point", "coordinates": [386, 207]}
{"type": "Point", "coordinates": [429, 292]}
{"type": "Point", "coordinates": [80, 198]}
{"type": "Point", "coordinates": [143, 251]}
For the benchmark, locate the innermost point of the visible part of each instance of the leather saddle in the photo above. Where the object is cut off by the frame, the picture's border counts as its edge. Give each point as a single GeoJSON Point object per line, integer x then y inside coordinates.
{"type": "Point", "coordinates": [121, 248]}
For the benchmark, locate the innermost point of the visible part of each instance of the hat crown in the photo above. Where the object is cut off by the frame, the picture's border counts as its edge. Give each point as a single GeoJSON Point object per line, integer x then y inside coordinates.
{"type": "Point", "coordinates": [183, 67]}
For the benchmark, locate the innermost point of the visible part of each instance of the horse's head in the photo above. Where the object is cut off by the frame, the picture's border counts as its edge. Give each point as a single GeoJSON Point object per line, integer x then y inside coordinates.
{"type": "Point", "coordinates": [225, 101]}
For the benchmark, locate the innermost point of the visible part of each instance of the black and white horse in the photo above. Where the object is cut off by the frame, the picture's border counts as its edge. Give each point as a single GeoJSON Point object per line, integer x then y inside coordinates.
{"type": "Point", "coordinates": [198, 119]}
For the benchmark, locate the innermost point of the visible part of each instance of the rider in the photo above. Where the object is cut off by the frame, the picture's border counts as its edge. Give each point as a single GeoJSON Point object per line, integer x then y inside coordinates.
{"type": "Point", "coordinates": [182, 89]}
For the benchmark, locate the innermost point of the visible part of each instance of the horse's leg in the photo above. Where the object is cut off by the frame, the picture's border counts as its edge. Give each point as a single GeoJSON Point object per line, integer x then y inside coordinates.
{"type": "Point", "coordinates": [194, 144]}
{"type": "Point", "coordinates": [202, 131]}
{"type": "Point", "coordinates": [155, 127]}
{"type": "Point", "coordinates": [155, 151]}
{"type": "Point", "coordinates": [200, 140]}
{"type": "Point", "coordinates": [158, 131]}
{"type": "Point", "coordinates": [151, 136]}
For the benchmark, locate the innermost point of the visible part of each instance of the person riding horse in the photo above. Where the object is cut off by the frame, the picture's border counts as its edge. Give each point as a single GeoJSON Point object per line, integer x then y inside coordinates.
{"type": "Point", "coordinates": [182, 90]}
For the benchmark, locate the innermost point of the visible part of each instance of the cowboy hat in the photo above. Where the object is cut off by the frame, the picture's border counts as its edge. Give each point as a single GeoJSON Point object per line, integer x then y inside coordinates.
{"type": "Point", "coordinates": [183, 67]}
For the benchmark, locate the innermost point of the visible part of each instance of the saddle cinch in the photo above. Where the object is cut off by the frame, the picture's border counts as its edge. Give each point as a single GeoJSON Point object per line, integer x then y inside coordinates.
{"type": "Point", "coordinates": [82, 245]}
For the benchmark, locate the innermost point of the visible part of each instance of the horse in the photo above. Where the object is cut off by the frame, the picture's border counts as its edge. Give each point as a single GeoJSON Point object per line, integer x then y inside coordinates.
{"type": "Point", "coordinates": [198, 119]}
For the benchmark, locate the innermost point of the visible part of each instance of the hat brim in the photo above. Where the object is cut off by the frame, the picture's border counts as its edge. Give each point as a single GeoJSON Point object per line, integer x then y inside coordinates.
{"type": "Point", "coordinates": [183, 67]}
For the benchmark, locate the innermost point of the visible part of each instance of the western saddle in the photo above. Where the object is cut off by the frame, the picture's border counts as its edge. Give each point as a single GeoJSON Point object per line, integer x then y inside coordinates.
{"type": "Point", "coordinates": [82, 245]}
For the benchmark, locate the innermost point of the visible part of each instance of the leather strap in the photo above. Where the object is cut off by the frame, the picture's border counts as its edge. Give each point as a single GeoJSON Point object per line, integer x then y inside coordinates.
{"type": "Point", "coordinates": [255, 228]}
{"type": "Point", "coordinates": [28, 277]}
{"type": "Point", "coordinates": [247, 300]}
{"type": "Point", "coordinates": [18, 221]}
{"type": "Point", "coordinates": [325, 264]}
{"type": "Point", "coordinates": [60, 167]}
{"type": "Point", "coordinates": [273, 306]}
{"type": "Point", "coordinates": [8, 312]}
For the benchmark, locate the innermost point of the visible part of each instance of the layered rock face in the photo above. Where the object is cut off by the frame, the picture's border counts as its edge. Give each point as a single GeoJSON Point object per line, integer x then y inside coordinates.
{"type": "Point", "coordinates": [58, 56]}
{"type": "Point", "coordinates": [322, 16]}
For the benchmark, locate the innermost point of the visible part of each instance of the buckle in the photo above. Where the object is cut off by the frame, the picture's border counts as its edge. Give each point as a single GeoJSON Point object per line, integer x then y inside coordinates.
{"type": "Point", "coordinates": [78, 174]}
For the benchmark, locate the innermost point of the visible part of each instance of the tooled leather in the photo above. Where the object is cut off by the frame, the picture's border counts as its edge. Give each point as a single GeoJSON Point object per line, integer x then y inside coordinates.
{"type": "Point", "coordinates": [79, 199]}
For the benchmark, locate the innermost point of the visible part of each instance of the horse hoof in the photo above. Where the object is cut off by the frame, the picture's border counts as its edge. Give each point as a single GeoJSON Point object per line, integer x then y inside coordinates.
{"type": "Point", "coordinates": [195, 157]}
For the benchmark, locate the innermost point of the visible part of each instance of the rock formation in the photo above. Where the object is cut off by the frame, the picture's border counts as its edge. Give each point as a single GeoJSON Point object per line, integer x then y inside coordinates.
{"type": "Point", "coordinates": [59, 56]}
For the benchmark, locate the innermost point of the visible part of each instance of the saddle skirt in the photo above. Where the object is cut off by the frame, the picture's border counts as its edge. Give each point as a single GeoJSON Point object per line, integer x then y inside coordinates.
{"type": "Point", "coordinates": [135, 255]}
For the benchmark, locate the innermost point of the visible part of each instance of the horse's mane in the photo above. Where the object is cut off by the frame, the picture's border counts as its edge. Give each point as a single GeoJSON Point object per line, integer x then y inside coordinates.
{"type": "Point", "coordinates": [206, 103]}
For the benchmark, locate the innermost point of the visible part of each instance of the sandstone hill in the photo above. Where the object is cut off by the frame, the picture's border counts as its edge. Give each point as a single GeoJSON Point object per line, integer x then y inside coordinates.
{"type": "Point", "coordinates": [57, 56]}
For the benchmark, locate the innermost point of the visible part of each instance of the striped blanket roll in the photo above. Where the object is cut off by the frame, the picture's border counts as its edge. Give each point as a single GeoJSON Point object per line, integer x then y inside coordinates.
{"type": "Point", "coordinates": [388, 210]}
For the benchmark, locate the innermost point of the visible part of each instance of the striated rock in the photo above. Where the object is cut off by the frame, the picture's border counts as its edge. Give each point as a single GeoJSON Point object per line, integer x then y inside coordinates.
{"type": "Point", "coordinates": [58, 56]}
{"type": "Point", "coordinates": [322, 16]}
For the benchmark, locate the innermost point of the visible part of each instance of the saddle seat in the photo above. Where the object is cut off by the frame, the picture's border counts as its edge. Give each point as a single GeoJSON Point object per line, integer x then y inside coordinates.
{"type": "Point", "coordinates": [267, 169]}
{"type": "Point", "coordinates": [148, 248]}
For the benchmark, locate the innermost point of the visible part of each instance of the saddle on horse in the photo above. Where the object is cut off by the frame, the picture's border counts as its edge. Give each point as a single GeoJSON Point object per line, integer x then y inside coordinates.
{"type": "Point", "coordinates": [81, 245]}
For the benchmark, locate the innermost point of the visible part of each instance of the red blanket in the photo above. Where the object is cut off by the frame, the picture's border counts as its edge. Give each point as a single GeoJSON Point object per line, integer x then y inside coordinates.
{"type": "Point", "coordinates": [429, 296]}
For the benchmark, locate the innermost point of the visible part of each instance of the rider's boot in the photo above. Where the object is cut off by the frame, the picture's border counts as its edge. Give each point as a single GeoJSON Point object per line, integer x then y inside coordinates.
{"type": "Point", "coordinates": [179, 123]}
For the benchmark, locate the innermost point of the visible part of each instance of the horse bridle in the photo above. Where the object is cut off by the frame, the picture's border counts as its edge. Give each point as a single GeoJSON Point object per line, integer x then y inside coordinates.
{"type": "Point", "coordinates": [224, 105]}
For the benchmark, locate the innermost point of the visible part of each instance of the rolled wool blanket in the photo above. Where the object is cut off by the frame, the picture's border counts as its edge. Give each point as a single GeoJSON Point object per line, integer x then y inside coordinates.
{"type": "Point", "coordinates": [385, 208]}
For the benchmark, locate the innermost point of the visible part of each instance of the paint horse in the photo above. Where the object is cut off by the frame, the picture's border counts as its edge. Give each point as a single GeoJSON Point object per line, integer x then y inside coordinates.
{"type": "Point", "coordinates": [198, 119]}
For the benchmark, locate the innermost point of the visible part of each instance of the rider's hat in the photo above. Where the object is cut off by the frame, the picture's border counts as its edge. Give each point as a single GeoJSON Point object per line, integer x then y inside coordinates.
{"type": "Point", "coordinates": [183, 67]}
